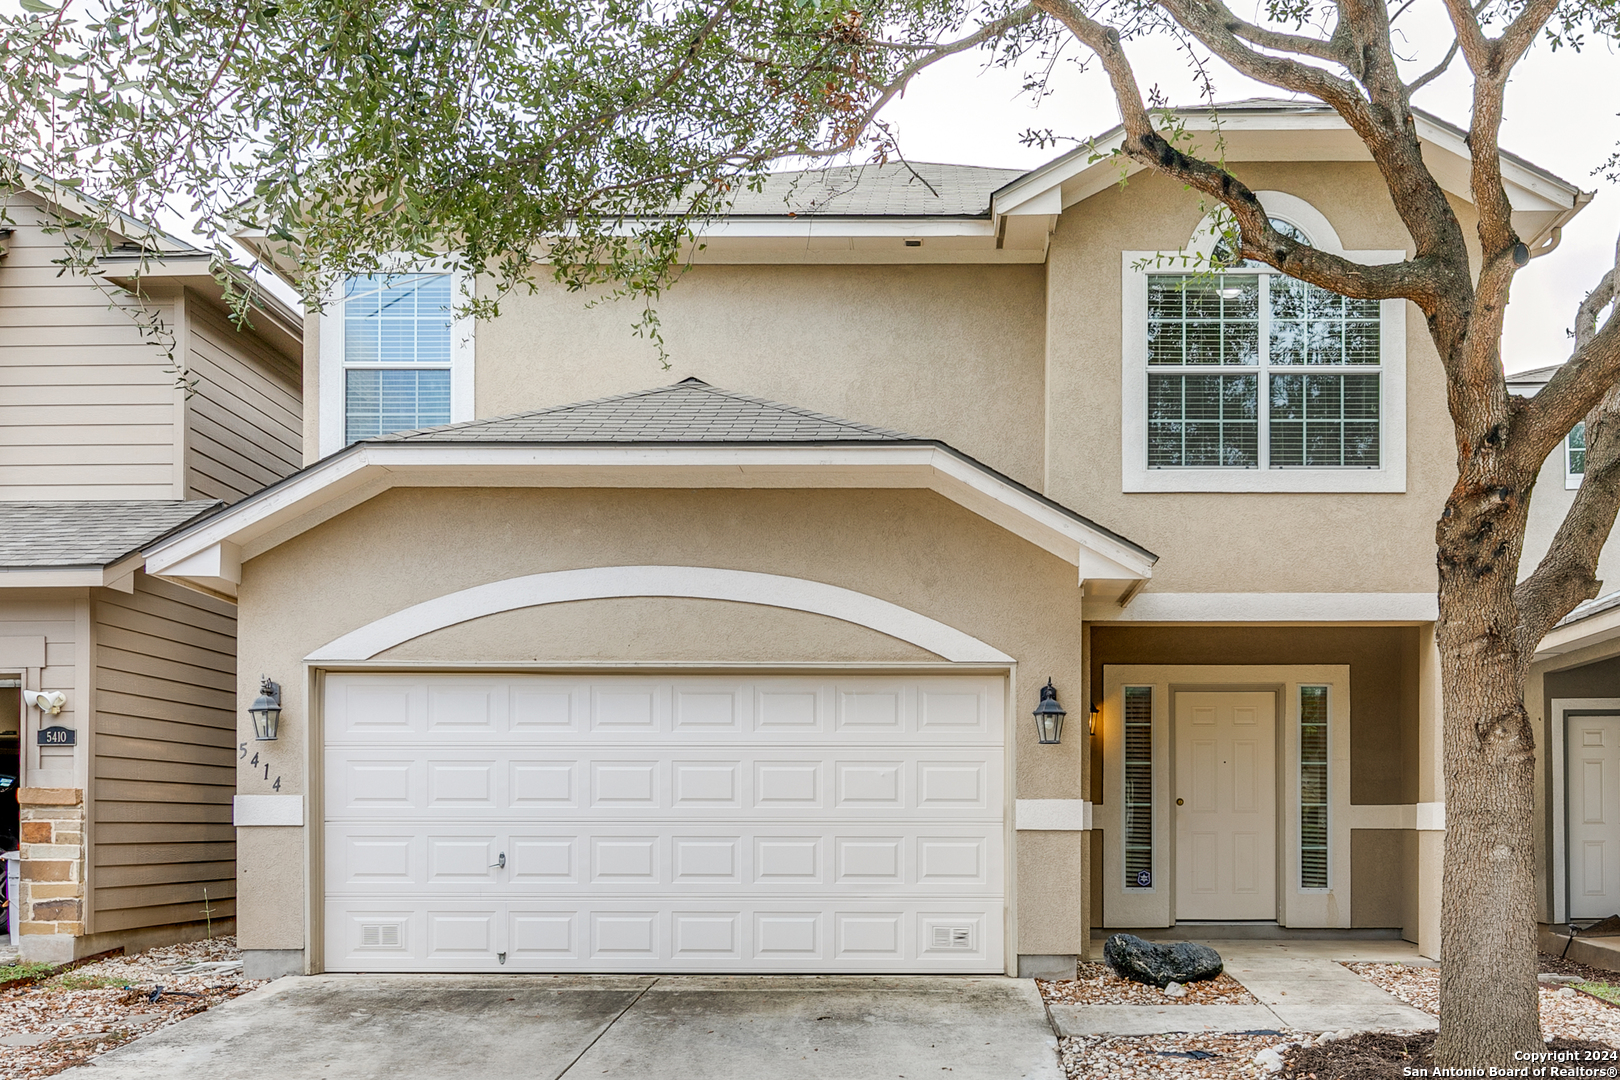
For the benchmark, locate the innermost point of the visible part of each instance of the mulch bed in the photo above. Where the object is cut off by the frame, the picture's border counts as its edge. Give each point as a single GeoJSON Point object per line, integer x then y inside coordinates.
{"type": "Point", "coordinates": [1380, 1056]}
{"type": "Point", "coordinates": [1553, 965]}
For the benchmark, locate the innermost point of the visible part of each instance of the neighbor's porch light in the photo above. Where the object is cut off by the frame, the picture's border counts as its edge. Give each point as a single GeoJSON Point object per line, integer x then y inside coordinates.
{"type": "Point", "coordinates": [1049, 716]}
{"type": "Point", "coordinates": [266, 710]}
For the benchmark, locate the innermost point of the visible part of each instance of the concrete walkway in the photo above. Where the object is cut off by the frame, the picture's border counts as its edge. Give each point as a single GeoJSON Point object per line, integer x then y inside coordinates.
{"type": "Point", "coordinates": [1301, 986]}
{"type": "Point", "coordinates": [336, 1027]}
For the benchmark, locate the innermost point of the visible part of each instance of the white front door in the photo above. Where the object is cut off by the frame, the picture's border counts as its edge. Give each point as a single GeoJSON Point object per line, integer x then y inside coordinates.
{"type": "Point", "coordinates": [1594, 816]}
{"type": "Point", "coordinates": [1226, 806]}
{"type": "Point", "coordinates": [653, 823]}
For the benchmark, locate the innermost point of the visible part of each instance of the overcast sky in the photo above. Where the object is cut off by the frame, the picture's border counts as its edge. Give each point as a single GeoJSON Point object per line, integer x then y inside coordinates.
{"type": "Point", "coordinates": [1561, 115]}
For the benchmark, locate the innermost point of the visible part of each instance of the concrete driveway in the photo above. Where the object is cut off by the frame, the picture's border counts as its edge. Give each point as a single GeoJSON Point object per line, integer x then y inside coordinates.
{"type": "Point", "coordinates": [356, 1027]}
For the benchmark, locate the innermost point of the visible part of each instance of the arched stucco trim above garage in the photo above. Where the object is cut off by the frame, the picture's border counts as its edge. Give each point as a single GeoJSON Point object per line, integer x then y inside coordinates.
{"type": "Point", "coordinates": [696, 582]}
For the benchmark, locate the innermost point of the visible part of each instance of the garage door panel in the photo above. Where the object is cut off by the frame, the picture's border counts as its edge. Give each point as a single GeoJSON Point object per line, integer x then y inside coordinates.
{"type": "Point", "coordinates": [840, 823]}
{"type": "Point", "coordinates": [442, 859]}
{"type": "Point", "coordinates": [677, 711]}
{"type": "Point", "coordinates": [625, 936]}
{"type": "Point", "coordinates": [693, 783]}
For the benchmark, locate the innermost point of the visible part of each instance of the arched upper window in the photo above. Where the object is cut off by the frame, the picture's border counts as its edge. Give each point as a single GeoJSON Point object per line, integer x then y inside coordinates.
{"type": "Point", "coordinates": [1234, 367]}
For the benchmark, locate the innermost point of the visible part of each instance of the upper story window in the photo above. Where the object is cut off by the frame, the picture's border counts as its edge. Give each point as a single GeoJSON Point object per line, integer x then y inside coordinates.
{"type": "Point", "coordinates": [391, 359]}
{"type": "Point", "coordinates": [1575, 456]}
{"type": "Point", "coordinates": [1243, 370]}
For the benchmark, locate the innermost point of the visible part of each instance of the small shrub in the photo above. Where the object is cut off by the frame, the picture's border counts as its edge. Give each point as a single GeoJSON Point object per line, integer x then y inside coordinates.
{"type": "Point", "coordinates": [13, 972]}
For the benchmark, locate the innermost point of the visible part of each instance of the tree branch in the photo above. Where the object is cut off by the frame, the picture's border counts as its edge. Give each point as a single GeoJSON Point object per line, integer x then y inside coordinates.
{"type": "Point", "coordinates": [1433, 73]}
{"type": "Point", "coordinates": [1294, 43]}
{"type": "Point", "coordinates": [1416, 279]}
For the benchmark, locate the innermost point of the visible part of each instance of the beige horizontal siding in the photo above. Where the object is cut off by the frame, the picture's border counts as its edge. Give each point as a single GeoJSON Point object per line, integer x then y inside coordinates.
{"type": "Point", "coordinates": [87, 410]}
{"type": "Point", "coordinates": [244, 421]}
{"type": "Point", "coordinates": [165, 764]}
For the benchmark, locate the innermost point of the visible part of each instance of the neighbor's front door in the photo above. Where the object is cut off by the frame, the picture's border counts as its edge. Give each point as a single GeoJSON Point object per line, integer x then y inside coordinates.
{"type": "Point", "coordinates": [1226, 806]}
{"type": "Point", "coordinates": [1593, 799]}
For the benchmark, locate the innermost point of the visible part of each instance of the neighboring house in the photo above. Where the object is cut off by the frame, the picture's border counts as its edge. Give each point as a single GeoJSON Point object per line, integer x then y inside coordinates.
{"type": "Point", "coordinates": [1573, 696]}
{"type": "Point", "coordinates": [736, 673]}
{"type": "Point", "coordinates": [125, 803]}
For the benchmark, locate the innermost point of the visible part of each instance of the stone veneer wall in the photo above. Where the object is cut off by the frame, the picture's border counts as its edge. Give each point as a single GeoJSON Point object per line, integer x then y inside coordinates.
{"type": "Point", "coordinates": [53, 862]}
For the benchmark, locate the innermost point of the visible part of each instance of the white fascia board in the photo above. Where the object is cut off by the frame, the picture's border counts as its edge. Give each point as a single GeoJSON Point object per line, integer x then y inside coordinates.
{"type": "Point", "coordinates": [50, 578]}
{"type": "Point", "coordinates": [119, 575]}
{"type": "Point", "coordinates": [217, 567]}
{"type": "Point", "coordinates": [1267, 608]}
{"type": "Point", "coordinates": [806, 227]}
{"type": "Point", "coordinates": [1578, 635]}
{"type": "Point", "coordinates": [211, 553]}
{"type": "Point", "coordinates": [261, 513]}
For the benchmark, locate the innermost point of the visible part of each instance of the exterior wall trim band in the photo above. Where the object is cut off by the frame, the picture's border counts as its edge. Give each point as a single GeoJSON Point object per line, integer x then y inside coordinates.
{"type": "Point", "coordinates": [695, 582]}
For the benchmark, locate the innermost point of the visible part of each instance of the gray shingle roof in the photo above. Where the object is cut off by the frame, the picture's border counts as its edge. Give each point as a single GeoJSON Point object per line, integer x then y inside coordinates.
{"type": "Point", "coordinates": [910, 189]}
{"type": "Point", "coordinates": [1596, 606]}
{"type": "Point", "coordinates": [689, 411]}
{"type": "Point", "coordinates": [82, 534]}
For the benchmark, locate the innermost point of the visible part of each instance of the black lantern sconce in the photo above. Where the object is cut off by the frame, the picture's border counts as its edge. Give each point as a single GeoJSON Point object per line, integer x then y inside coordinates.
{"type": "Point", "coordinates": [1049, 716]}
{"type": "Point", "coordinates": [266, 710]}
{"type": "Point", "coordinates": [1091, 726]}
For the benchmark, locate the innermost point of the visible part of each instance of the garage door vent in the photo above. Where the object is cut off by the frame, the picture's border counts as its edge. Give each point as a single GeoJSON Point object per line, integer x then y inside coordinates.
{"type": "Point", "coordinates": [953, 937]}
{"type": "Point", "coordinates": [380, 935]}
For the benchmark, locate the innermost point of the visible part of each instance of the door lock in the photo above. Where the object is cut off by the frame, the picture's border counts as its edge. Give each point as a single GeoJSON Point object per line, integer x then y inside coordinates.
{"type": "Point", "coordinates": [1179, 802]}
{"type": "Point", "coordinates": [501, 863]}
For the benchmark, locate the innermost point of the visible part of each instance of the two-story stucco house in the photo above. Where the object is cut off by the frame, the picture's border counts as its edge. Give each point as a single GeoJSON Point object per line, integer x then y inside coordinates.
{"type": "Point", "coordinates": [588, 667]}
{"type": "Point", "coordinates": [127, 765]}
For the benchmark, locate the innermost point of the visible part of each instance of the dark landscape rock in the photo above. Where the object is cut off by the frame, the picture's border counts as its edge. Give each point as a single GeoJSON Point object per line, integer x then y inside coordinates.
{"type": "Point", "coordinates": [1160, 963]}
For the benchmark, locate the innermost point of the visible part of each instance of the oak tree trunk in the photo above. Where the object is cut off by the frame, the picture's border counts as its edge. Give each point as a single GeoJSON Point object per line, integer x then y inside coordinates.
{"type": "Point", "coordinates": [1489, 1003]}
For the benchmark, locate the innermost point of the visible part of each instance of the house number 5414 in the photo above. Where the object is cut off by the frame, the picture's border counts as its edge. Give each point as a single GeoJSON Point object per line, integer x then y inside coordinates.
{"type": "Point", "coordinates": [255, 764]}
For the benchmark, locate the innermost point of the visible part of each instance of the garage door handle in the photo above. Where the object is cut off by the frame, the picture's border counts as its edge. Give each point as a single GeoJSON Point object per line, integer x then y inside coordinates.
{"type": "Point", "coordinates": [501, 863]}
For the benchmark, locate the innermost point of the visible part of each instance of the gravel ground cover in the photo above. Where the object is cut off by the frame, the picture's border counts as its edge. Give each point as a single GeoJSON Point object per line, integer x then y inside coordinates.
{"type": "Point", "coordinates": [1166, 1057]}
{"type": "Point", "coordinates": [68, 1019]}
{"type": "Point", "coordinates": [1095, 984]}
{"type": "Point", "coordinates": [1565, 1013]}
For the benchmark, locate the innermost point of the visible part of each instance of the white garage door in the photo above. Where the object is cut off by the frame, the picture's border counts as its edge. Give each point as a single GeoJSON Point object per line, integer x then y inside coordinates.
{"type": "Point", "coordinates": [646, 823]}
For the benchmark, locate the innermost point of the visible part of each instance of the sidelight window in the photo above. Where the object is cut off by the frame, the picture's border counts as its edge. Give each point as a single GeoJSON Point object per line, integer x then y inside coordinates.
{"type": "Point", "coordinates": [1313, 787]}
{"type": "Point", "coordinates": [1138, 787]}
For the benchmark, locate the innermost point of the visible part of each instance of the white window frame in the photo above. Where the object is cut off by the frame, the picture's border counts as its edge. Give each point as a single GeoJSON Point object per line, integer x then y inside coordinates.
{"type": "Point", "coordinates": [331, 408]}
{"type": "Point", "coordinates": [1572, 480]}
{"type": "Point", "coordinates": [1135, 476]}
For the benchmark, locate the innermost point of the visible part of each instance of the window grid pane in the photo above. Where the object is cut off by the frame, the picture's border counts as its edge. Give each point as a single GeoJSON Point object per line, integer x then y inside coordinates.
{"type": "Point", "coordinates": [1203, 420]}
{"type": "Point", "coordinates": [380, 401]}
{"type": "Point", "coordinates": [1138, 787]}
{"type": "Point", "coordinates": [1312, 325]}
{"type": "Point", "coordinates": [1313, 787]}
{"type": "Point", "coordinates": [397, 320]}
{"type": "Point", "coordinates": [1576, 449]}
{"type": "Point", "coordinates": [1325, 419]}
{"type": "Point", "coordinates": [1203, 320]}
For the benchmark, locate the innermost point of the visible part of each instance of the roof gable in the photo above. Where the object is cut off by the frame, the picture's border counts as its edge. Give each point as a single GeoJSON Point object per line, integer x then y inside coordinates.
{"type": "Point", "coordinates": [1263, 129]}
{"type": "Point", "coordinates": [689, 435]}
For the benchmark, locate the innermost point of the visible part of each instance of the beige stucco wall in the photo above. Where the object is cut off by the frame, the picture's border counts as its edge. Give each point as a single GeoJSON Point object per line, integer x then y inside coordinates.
{"type": "Point", "coordinates": [1548, 504]}
{"type": "Point", "coordinates": [942, 352]}
{"type": "Point", "coordinates": [912, 548]}
{"type": "Point", "coordinates": [1228, 542]}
